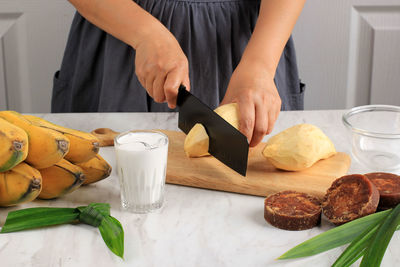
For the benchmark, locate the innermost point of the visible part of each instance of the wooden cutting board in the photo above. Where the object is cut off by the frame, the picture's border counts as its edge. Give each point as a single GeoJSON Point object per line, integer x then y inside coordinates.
{"type": "Point", "coordinates": [262, 177]}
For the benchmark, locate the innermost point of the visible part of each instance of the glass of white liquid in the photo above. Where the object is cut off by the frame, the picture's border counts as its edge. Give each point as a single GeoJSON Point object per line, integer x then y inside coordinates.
{"type": "Point", "coordinates": [141, 165]}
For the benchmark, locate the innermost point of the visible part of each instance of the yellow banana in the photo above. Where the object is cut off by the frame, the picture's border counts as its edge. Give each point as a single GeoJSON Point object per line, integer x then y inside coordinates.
{"type": "Point", "coordinates": [20, 184]}
{"type": "Point", "coordinates": [46, 146]}
{"type": "Point", "coordinates": [83, 146]}
{"type": "Point", "coordinates": [13, 145]}
{"type": "Point", "coordinates": [197, 141]}
{"type": "Point", "coordinates": [95, 169]}
{"type": "Point", "coordinates": [60, 179]}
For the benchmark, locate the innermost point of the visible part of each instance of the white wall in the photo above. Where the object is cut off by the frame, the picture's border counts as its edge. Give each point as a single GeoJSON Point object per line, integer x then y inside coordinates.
{"type": "Point", "coordinates": [348, 52]}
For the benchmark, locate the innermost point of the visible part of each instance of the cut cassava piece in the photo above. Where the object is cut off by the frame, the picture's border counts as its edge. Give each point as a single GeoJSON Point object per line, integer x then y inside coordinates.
{"type": "Point", "coordinates": [291, 210]}
{"type": "Point", "coordinates": [197, 141]}
{"type": "Point", "coordinates": [350, 197]}
{"type": "Point", "coordinates": [388, 185]}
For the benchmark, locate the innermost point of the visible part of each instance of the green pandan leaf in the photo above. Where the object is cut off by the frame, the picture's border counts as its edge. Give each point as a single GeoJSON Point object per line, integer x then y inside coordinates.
{"type": "Point", "coordinates": [335, 237]}
{"type": "Point", "coordinates": [95, 214]}
{"type": "Point", "coordinates": [374, 254]}
{"type": "Point", "coordinates": [357, 247]}
{"type": "Point", "coordinates": [38, 217]}
{"type": "Point", "coordinates": [113, 235]}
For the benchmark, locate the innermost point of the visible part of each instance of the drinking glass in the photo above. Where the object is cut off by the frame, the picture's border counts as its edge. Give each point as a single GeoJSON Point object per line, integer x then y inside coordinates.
{"type": "Point", "coordinates": [141, 166]}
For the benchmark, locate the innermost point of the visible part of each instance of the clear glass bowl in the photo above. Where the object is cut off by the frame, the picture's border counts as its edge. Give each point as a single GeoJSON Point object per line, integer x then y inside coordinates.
{"type": "Point", "coordinates": [375, 136]}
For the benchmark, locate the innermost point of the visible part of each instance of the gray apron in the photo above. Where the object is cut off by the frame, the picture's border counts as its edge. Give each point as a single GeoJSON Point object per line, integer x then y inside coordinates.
{"type": "Point", "coordinates": [98, 73]}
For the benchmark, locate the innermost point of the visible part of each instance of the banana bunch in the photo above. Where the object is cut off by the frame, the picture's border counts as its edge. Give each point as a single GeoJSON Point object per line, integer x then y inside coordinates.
{"type": "Point", "coordinates": [45, 160]}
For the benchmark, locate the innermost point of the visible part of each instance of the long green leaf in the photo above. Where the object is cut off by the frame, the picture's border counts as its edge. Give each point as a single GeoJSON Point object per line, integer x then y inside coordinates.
{"type": "Point", "coordinates": [103, 208]}
{"type": "Point", "coordinates": [94, 213]}
{"type": "Point", "coordinates": [335, 237]}
{"type": "Point", "coordinates": [355, 258]}
{"type": "Point", "coordinates": [113, 235]}
{"type": "Point", "coordinates": [38, 217]}
{"type": "Point", "coordinates": [357, 246]}
{"type": "Point", "coordinates": [377, 247]}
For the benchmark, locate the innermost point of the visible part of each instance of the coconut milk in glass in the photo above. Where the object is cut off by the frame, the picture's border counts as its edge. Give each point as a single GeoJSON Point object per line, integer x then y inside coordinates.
{"type": "Point", "coordinates": [141, 165]}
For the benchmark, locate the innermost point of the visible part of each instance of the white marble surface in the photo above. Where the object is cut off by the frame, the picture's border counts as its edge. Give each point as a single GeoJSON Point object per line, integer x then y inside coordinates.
{"type": "Point", "coordinates": [195, 227]}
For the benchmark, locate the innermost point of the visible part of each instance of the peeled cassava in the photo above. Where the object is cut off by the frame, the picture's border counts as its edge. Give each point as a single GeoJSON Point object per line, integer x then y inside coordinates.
{"type": "Point", "coordinates": [197, 141]}
{"type": "Point", "coordinates": [298, 148]}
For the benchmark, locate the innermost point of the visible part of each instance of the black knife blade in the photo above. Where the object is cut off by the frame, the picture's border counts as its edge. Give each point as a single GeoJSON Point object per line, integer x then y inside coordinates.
{"type": "Point", "coordinates": [227, 144]}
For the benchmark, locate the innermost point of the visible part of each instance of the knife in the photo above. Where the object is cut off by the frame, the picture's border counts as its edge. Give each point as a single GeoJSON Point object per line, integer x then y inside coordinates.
{"type": "Point", "coordinates": [227, 144]}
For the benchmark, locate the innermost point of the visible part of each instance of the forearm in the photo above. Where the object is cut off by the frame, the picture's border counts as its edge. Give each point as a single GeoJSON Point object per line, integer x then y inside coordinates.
{"type": "Point", "coordinates": [123, 19]}
{"type": "Point", "coordinates": [273, 28]}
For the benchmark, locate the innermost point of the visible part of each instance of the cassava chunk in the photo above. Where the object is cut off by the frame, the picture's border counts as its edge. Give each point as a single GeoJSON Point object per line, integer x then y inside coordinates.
{"type": "Point", "coordinates": [291, 210]}
{"type": "Point", "coordinates": [350, 197]}
{"type": "Point", "coordinates": [197, 141]}
{"type": "Point", "coordinates": [388, 185]}
{"type": "Point", "coordinates": [298, 147]}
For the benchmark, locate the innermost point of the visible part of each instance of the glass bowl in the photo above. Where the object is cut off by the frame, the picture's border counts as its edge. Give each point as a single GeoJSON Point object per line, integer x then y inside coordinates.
{"type": "Point", "coordinates": [375, 136]}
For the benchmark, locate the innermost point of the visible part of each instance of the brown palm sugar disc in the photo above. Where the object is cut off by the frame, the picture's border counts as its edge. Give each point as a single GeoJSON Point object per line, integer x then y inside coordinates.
{"type": "Point", "coordinates": [292, 210]}
{"type": "Point", "coordinates": [350, 197]}
{"type": "Point", "coordinates": [388, 185]}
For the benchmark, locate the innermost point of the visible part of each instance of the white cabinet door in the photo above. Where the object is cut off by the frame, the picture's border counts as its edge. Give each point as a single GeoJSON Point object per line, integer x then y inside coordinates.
{"type": "Point", "coordinates": [348, 52]}
{"type": "Point", "coordinates": [33, 34]}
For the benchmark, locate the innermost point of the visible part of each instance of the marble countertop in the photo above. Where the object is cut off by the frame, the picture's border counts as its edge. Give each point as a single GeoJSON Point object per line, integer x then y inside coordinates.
{"type": "Point", "coordinates": [195, 227]}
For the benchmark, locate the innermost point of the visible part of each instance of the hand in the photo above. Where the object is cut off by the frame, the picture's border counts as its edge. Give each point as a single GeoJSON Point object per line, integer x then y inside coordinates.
{"type": "Point", "coordinates": [161, 66]}
{"type": "Point", "coordinates": [258, 100]}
